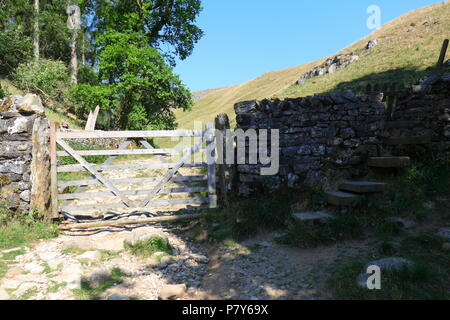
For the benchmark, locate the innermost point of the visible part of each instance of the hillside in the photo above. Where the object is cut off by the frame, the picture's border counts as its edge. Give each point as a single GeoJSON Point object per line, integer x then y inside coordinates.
{"type": "Point", "coordinates": [408, 48]}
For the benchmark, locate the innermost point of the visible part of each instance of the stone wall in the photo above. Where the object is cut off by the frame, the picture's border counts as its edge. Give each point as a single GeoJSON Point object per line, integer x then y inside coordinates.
{"type": "Point", "coordinates": [24, 156]}
{"type": "Point", "coordinates": [327, 138]}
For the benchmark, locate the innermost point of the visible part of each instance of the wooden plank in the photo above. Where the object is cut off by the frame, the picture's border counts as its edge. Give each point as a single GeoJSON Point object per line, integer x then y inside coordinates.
{"type": "Point", "coordinates": [94, 182]}
{"type": "Point", "coordinates": [123, 152]}
{"type": "Point", "coordinates": [211, 159]}
{"type": "Point", "coordinates": [89, 121]}
{"type": "Point", "coordinates": [94, 118]}
{"type": "Point", "coordinates": [444, 48]}
{"type": "Point", "coordinates": [89, 195]}
{"type": "Point", "coordinates": [172, 172]}
{"type": "Point", "coordinates": [92, 170]}
{"type": "Point", "coordinates": [80, 168]}
{"type": "Point", "coordinates": [158, 203]}
{"type": "Point", "coordinates": [128, 134]}
{"type": "Point", "coordinates": [53, 172]}
{"type": "Point", "coordinates": [128, 222]}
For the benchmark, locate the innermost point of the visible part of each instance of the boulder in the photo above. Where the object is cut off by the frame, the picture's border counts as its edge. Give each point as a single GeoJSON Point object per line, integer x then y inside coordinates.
{"type": "Point", "coordinates": [391, 264]}
{"type": "Point", "coordinates": [371, 44]}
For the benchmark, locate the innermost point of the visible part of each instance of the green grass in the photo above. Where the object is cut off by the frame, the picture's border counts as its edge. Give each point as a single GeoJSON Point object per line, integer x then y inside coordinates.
{"type": "Point", "coordinates": [18, 233]}
{"type": "Point", "coordinates": [408, 49]}
{"type": "Point", "coordinates": [428, 279]}
{"type": "Point", "coordinates": [91, 292]}
{"type": "Point", "coordinates": [12, 255]}
{"type": "Point", "coordinates": [56, 286]}
{"type": "Point", "coordinates": [148, 247]}
{"type": "Point", "coordinates": [58, 118]}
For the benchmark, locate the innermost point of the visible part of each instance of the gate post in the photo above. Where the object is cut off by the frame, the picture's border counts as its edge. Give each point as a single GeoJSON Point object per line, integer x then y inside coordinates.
{"type": "Point", "coordinates": [222, 124]}
{"type": "Point", "coordinates": [53, 172]}
{"type": "Point", "coordinates": [211, 161]}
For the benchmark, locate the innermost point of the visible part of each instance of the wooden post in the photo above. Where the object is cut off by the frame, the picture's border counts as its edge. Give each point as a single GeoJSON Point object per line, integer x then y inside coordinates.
{"type": "Point", "coordinates": [53, 172]}
{"type": "Point", "coordinates": [440, 64]}
{"type": "Point", "coordinates": [222, 125]}
{"type": "Point", "coordinates": [211, 160]}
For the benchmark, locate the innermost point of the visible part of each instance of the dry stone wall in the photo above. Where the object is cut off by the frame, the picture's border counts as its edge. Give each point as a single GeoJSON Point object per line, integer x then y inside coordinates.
{"type": "Point", "coordinates": [327, 138]}
{"type": "Point", "coordinates": [24, 156]}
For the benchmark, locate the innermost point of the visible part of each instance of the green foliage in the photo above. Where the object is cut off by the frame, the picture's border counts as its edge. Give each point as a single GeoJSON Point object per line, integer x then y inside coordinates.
{"type": "Point", "coordinates": [46, 78]}
{"type": "Point", "coordinates": [3, 92]}
{"type": "Point", "coordinates": [15, 49]}
{"type": "Point", "coordinates": [148, 247]}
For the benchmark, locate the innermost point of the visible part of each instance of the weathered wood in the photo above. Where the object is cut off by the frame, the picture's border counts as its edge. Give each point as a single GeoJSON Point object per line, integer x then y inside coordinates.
{"type": "Point", "coordinates": [88, 195]}
{"type": "Point", "coordinates": [80, 168]}
{"type": "Point", "coordinates": [211, 159]}
{"type": "Point", "coordinates": [92, 170]}
{"type": "Point", "coordinates": [89, 121]}
{"type": "Point", "coordinates": [222, 123]}
{"type": "Point", "coordinates": [128, 134]}
{"type": "Point", "coordinates": [444, 48]}
{"type": "Point", "coordinates": [172, 172]}
{"type": "Point", "coordinates": [94, 118]}
{"type": "Point", "coordinates": [157, 203]}
{"type": "Point", "coordinates": [53, 172]}
{"type": "Point", "coordinates": [94, 182]}
{"type": "Point", "coordinates": [128, 222]}
{"type": "Point", "coordinates": [123, 152]}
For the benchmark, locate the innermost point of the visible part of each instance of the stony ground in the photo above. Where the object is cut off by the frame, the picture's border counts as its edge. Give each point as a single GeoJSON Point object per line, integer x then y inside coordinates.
{"type": "Point", "coordinates": [255, 269]}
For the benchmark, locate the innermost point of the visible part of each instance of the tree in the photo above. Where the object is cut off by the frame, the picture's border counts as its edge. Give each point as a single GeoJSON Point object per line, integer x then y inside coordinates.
{"type": "Point", "coordinates": [36, 30]}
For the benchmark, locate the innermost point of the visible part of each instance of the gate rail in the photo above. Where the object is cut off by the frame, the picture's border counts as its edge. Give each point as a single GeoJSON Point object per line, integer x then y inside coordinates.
{"type": "Point", "coordinates": [59, 138]}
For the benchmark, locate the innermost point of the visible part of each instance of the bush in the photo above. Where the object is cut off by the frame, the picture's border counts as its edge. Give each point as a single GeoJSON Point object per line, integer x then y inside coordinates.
{"type": "Point", "coordinates": [46, 78]}
{"type": "Point", "coordinates": [3, 92]}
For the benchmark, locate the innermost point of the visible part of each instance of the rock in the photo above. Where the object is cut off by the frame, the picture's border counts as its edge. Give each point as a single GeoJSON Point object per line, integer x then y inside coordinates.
{"type": "Point", "coordinates": [90, 256]}
{"type": "Point", "coordinates": [23, 288]}
{"type": "Point", "coordinates": [143, 235]}
{"type": "Point", "coordinates": [79, 243]}
{"type": "Point", "coordinates": [172, 292]}
{"type": "Point", "coordinates": [116, 296]}
{"type": "Point", "coordinates": [393, 263]}
{"type": "Point", "coordinates": [30, 103]}
{"type": "Point", "coordinates": [446, 246]}
{"type": "Point", "coordinates": [3, 294]}
{"type": "Point", "coordinates": [444, 233]}
{"type": "Point", "coordinates": [10, 284]}
{"type": "Point", "coordinates": [34, 267]}
{"type": "Point", "coordinates": [199, 258]}
{"type": "Point", "coordinates": [371, 44]}
{"type": "Point", "coordinates": [20, 125]}
{"type": "Point", "coordinates": [25, 195]}
{"type": "Point", "coordinates": [405, 223]}
{"type": "Point", "coordinates": [167, 260]}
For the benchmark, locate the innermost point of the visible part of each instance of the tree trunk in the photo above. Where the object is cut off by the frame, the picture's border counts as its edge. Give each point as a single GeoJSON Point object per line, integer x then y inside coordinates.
{"type": "Point", "coordinates": [36, 30]}
{"type": "Point", "coordinates": [74, 59]}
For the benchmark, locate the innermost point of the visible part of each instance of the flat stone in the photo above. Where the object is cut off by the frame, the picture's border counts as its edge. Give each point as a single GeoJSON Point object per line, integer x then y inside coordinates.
{"type": "Point", "coordinates": [172, 292]}
{"type": "Point", "coordinates": [388, 162]}
{"type": "Point", "coordinates": [143, 235]}
{"type": "Point", "coordinates": [444, 233]}
{"type": "Point", "coordinates": [34, 267]}
{"type": "Point", "coordinates": [338, 198]}
{"type": "Point", "coordinates": [10, 284]}
{"type": "Point", "coordinates": [90, 256]}
{"type": "Point", "coordinates": [30, 103]}
{"type": "Point", "coordinates": [3, 294]}
{"type": "Point", "coordinates": [393, 263]}
{"type": "Point", "coordinates": [362, 186]}
{"type": "Point", "coordinates": [23, 288]}
{"type": "Point", "coordinates": [82, 244]}
{"type": "Point", "coordinates": [319, 216]}
{"type": "Point", "coordinates": [199, 258]}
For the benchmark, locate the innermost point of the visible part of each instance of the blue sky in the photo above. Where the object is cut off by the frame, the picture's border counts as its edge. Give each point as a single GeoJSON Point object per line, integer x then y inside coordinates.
{"type": "Point", "coordinates": [246, 38]}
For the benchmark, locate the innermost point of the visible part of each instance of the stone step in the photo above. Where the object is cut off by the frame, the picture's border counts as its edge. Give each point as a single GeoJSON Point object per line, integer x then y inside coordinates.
{"type": "Point", "coordinates": [339, 198]}
{"type": "Point", "coordinates": [408, 140]}
{"type": "Point", "coordinates": [362, 186]}
{"type": "Point", "coordinates": [318, 216]}
{"type": "Point", "coordinates": [401, 124]}
{"type": "Point", "coordinates": [389, 162]}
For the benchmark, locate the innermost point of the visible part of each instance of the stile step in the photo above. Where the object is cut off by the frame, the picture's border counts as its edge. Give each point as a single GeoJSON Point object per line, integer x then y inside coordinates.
{"type": "Point", "coordinates": [318, 216]}
{"type": "Point", "coordinates": [408, 140]}
{"type": "Point", "coordinates": [339, 198]}
{"type": "Point", "coordinates": [362, 186]}
{"type": "Point", "coordinates": [389, 162]}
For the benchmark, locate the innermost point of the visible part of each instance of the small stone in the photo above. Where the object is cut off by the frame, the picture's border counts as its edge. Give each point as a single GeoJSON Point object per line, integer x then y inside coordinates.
{"type": "Point", "coordinates": [99, 276]}
{"type": "Point", "coordinates": [199, 258]}
{"type": "Point", "coordinates": [393, 263]}
{"type": "Point", "coordinates": [371, 44]}
{"type": "Point", "coordinates": [172, 292]}
{"type": "Point", "coordinates": [30, 103]}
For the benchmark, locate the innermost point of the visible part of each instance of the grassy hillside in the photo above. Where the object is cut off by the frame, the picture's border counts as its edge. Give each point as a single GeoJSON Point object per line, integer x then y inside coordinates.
{"type": "Point", "coordinates": [408, 49]}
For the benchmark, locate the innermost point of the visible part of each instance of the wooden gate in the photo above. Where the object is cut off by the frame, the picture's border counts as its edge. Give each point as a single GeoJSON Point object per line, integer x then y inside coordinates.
{"type": "Point", "coordinates": [116, 198]}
